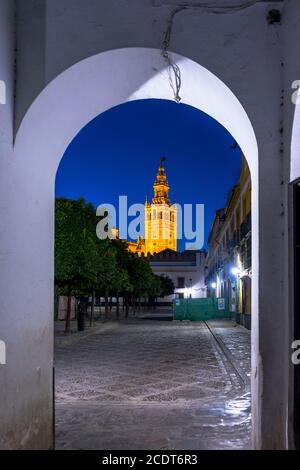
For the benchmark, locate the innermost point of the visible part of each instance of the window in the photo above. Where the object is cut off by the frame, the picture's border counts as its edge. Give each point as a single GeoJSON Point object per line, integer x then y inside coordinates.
{"type": "Point", "coordinates": [180, 283]}
{"type": "Point", "coordinates": [244, 207]}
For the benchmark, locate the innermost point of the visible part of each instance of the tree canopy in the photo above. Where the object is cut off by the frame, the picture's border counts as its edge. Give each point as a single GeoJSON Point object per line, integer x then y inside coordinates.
{"type": "Point", "coordinates": [85, 264]}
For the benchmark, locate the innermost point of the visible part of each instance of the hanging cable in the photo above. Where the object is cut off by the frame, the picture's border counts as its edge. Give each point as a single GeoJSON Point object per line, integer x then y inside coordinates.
{"type": "Point", "coordinates": [173, 69]}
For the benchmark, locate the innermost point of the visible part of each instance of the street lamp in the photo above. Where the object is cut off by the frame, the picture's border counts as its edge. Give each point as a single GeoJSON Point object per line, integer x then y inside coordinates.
{"type": "Point", "coordinates": [213, 285]}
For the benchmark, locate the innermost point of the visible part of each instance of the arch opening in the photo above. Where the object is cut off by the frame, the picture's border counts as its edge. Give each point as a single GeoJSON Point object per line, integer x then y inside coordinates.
{"type": "Point", "coordinates": [124, 144]}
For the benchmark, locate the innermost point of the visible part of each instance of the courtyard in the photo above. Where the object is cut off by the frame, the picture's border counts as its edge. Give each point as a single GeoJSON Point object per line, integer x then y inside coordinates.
{"type": "Point", "coordinates": [150, 383]}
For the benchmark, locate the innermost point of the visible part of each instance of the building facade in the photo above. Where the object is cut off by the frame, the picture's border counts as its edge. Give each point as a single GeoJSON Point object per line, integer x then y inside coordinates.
{"type": "Point", "coordinates": [186, 270]}
{"type": "Point", "coordinates": [160, 219]}
{"type": "Point", "coordinates": [228, 264]}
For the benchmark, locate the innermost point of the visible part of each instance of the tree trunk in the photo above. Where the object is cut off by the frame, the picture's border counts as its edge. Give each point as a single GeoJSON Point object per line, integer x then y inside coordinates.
{"type": "Point", "coordinates": [92, 309]}
{"type": "Point", "coordinates": [68, 313]}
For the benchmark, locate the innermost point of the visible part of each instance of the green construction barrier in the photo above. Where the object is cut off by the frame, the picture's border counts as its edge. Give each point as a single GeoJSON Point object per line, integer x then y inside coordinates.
{"type": "Point", "coordinates": [199, 309]}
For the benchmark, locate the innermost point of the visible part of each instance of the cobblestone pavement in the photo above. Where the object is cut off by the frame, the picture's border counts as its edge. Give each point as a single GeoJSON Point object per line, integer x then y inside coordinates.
{"type": "Point", "coordinates": [147, 384]}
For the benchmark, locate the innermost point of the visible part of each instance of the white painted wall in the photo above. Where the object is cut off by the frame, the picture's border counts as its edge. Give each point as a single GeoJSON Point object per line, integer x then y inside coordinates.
{"type": "Point", "coordinates": [6, 75]}
{"type": "Point", "coordinates": [291, 37]}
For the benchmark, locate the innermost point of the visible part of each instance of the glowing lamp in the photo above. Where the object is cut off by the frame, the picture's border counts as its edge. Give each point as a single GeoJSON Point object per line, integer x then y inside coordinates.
{"type": "Point", "coordinates": [235, 271]}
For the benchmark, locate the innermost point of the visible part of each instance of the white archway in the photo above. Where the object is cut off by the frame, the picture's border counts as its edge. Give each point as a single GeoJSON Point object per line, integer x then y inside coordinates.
{"type": "Point", "coordinates": [293, 268]}
{"type": "Point", "coordinates": [65, 106]}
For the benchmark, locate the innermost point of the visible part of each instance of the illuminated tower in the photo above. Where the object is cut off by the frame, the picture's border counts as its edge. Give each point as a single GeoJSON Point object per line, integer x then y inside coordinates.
{"type": "Point", "coordinates": [160, 216]}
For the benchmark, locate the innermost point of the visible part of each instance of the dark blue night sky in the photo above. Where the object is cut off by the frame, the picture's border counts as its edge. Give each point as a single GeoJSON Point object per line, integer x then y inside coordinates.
{"type": "Point", "coordinates": [118, 153]}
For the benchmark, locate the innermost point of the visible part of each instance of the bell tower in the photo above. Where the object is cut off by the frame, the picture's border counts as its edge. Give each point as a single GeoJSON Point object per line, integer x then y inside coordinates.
{"type": "Point", "coordinates": [160, 216]}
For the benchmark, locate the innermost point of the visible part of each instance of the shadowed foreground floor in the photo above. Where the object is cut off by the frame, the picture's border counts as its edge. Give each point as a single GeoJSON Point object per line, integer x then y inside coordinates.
{"type": "Point", "coordinates": [148, 384]}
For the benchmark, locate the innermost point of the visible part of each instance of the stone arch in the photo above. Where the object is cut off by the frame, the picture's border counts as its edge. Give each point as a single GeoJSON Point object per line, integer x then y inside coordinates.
{"type": "Point", "coordinates": [64, 107]}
